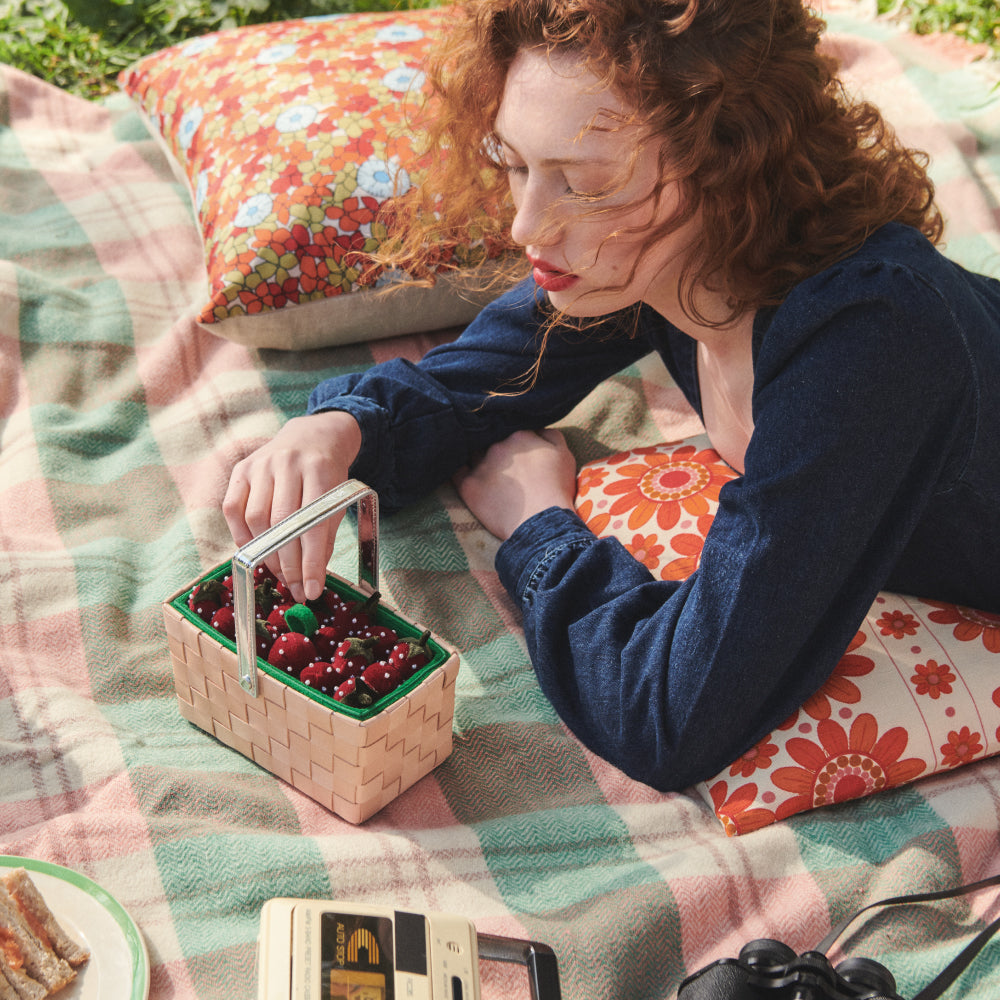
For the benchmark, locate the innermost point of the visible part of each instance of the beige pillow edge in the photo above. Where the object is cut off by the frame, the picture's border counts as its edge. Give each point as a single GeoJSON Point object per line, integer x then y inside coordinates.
{"type": "Point", "coordinates": [364, 315]}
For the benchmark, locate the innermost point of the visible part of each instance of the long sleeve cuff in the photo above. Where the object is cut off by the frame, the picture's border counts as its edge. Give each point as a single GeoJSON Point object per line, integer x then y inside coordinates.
{"type": "Point", "coordinates": [522, 560]}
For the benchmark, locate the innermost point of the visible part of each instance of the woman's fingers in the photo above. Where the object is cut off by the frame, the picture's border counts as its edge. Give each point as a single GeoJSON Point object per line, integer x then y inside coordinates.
{"type": "Point", "coordinates": [308, 457]}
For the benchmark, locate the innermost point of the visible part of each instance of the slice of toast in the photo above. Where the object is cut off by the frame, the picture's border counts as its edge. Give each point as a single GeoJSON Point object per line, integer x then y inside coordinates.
{"type": "Point", "coordinates": [16, 984]}
{"type": "Point", "coordinates": [38, 915]}
{"type": "Point", "coordinates": [38, 960]}
{"type": "Point", "coordinates": [7, 992]}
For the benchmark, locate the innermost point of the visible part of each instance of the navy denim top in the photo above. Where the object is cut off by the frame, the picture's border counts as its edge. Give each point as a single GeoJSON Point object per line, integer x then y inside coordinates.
{"type": "Point", "coordinates": [874, 464]}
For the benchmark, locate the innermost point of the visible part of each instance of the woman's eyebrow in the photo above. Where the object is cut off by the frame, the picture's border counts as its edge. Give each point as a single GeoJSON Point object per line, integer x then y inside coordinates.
{"type": "Point", "coordinates": [562, 161]}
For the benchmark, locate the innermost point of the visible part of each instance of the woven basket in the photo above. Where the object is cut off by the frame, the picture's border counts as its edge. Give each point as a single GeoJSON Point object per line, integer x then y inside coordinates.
{"type": "Point", "coordinates": [354, 761]}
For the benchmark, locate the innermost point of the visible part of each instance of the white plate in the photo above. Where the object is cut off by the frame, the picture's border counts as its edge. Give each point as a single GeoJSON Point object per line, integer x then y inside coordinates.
{"type": "Point", "coordinates": [93, 917]}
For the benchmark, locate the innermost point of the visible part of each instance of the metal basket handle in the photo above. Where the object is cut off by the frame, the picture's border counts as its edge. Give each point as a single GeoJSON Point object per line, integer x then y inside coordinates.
{"type": "Point", "coordinates": [247, 558]}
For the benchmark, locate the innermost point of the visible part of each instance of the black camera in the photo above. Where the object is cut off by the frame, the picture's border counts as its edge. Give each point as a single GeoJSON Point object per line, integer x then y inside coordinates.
{"type": "Point", "coordinates": [770, 970]}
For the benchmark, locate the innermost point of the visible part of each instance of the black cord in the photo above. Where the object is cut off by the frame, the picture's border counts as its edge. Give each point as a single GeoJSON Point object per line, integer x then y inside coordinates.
{"type": "Point", "coordinates": [950, 973]}
{"type": "Point", "coordinates": [917, 897]}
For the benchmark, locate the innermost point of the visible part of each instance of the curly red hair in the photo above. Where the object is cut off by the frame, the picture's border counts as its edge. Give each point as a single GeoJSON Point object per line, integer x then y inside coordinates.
{"type": "Point", "coordinates": [787, 173]}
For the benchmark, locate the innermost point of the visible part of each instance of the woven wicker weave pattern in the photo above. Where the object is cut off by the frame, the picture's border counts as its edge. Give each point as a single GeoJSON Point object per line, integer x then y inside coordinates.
{"type": "Point", "coordinates": [352, 767]}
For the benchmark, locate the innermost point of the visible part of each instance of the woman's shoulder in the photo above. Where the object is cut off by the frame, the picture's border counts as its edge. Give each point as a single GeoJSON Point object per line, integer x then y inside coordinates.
{"type": "Point", "coordinates": [897, 274]}
{"type": "Point", "coordinates": [892, 258]}
{"type": "Point", "coordinates": [894, 305]}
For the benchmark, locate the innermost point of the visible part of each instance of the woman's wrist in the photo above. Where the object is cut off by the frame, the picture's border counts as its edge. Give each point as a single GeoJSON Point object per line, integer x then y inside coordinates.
{"type": "Point", "coordinates": [341, 426]}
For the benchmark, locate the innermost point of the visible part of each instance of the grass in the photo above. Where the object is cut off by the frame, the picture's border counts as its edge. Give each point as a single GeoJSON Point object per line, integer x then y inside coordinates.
{"type": "Point", "coordinates": [976, 20]}
{"type": "Point", "coordinates": [80, 45]}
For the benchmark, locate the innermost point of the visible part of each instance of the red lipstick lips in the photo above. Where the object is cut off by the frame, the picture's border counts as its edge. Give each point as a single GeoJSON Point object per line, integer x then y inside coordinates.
{"type": "Point", "coordinates": [550, 278]}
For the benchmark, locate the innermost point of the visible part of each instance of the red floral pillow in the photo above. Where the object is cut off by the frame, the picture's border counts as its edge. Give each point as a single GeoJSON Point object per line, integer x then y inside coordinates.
{"type": "Point", "coordinates": [290, 137]}
{"type": "Point", "coordinates": [916, 693]}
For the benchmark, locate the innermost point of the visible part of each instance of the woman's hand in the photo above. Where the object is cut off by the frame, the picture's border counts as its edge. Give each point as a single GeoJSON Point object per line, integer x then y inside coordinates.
{"type": "Point", "coordinates": [517, 478]}
{"type": "Point", "coordinates": [308, 457]}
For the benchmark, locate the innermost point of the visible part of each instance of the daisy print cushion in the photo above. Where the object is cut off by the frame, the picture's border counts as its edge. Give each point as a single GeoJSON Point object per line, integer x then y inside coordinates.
{"type": "Point", "coordinates": [917, 691]}
{"type": "Point", "coordinates": [291, 136]}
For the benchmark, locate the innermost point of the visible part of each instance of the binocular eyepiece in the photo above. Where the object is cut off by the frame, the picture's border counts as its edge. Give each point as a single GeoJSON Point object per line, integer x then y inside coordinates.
{"type": "Point", "coordinates": [774, 958]}
{"type": "Point", "coordinates": [770, 970]}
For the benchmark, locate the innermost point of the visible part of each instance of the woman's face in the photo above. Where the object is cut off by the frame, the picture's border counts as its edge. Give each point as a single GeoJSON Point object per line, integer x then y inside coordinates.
{"type": "Point", "coordinates": [582, 183]}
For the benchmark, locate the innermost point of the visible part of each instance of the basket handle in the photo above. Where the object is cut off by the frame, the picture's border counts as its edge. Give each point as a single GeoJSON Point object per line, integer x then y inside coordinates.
{"type": "Point", "coordinates": [268, 542]}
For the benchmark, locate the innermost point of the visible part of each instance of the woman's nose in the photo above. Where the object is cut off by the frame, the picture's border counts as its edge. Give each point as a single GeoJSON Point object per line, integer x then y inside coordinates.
{"type": "Point", "coordinates": [535, 221]}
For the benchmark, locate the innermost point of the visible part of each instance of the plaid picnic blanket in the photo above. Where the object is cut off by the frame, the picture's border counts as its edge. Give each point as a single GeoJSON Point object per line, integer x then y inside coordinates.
{"type": "Point", "coordinates": [120, 420]}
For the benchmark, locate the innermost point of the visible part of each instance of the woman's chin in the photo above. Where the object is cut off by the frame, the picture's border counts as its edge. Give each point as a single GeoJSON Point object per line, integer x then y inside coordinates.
{"type": "Point", "coordinates": [588, 305]}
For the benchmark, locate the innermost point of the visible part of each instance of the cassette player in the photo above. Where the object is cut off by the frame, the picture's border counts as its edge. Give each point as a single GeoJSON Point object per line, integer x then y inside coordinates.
{"type": "Point", "coordinates": [332, 950]}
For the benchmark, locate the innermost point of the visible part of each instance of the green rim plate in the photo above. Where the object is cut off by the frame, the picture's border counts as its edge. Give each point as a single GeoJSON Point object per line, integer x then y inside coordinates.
{"type": "Point", "coordinates": [93, 894]}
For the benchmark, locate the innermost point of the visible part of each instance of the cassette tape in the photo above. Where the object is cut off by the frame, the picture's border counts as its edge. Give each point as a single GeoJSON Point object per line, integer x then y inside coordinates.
{"type": "Point", "coordinates": [332, 950]}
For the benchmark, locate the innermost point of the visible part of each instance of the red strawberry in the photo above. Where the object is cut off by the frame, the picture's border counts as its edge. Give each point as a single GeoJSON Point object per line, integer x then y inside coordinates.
{"type": "Point", "coordinates": [320, 676]}
{"type": "Point", "coordinates": [340, 617]}
{"type": "Point", "coordinates": [326, 639]}
{"type": "Point", "coordinates": [356, 646]}
{"type": "Point", "coordinates": [224, 621]}
{"type": "Point", "coordinates": [207, 598]}
{"type": "Point", "coordinates": [328, 602]}
{"type": "Point", "coordinates": [276, 618]}
{"type": "Point", "coordinates": [361, 615]}
{"type": "Point", "coordinates": [382, 677]}
{"type": "Point", "coordinates": [265, 640]}
{"type": "Point", "coordinates": [354, 691]}
{"type": "Point", "coordinates": [411, 654]}
{"type": "Point", "coordinates": [384, 639]}
{"type": "Point", "coordinates": [341, 671]}
{"type": "Point", "coordinates": [291, 652]}
{"type": "Point", "coordinates": [351, 666]}
{"type": "Point", "coordinates": [204, 608]}
{"type": "Point", "coordinates": [267, 596]}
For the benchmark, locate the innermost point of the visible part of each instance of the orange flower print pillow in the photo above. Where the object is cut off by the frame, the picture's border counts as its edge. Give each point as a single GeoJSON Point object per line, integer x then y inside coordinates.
{"type": "Point", "coordinates": [291, 136]}
{"type": "Point", "coordinates": [917, 692]}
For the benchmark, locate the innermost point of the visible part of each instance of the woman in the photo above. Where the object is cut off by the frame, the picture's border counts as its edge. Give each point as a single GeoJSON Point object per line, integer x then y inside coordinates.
{"type": "Point", "coordinates": [686, 178]}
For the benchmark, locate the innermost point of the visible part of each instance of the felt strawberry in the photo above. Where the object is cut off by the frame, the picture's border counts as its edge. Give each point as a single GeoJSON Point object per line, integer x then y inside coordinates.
{"type": "Point", "coordinates": [294, 650]}
{"type": "Point", "coordinates": [320, 676]}
{"type": "Point", "coordinates": [352, 666]}
{"type": "Point", "coordinates": [383, 639]}
{"type": "Point", "coordinates": [203, 608]}
{"type": "Point", "coordinates": [276, 618]}
{"type": "Point", "coordinates": [382, 677]}
{"type": "Point", "coordinates": [207, 598]}
{"type": "Point", "coordinates": [355, 692]}
{"type": "Point", "coordinates": [361, 615]}
{"type": "Point", "coordinates": [226, 597]}
{"type": "Point", "coordinates": [355, 646]}
{"type": "Point", "coordinates": [345, 689]}
{"type": "Point", "coordinates": [411, 654]}
{"type": "Point", "coordinates": [267, 596]}
{"type": "Point", "coordinates": [323, 676]}
{"type": "Point", "coordinates": [224, 621]}
{"type": "Point", "coordinates": [326, 639]}
{"type": "Point", "coordinates": [327, 603]}
{"type": "Point", "coordinates": [340, 617]}
{"type": "Point", "coordinates": [291, 652]}
{"type": "Point", "coordinates": [265, 640]}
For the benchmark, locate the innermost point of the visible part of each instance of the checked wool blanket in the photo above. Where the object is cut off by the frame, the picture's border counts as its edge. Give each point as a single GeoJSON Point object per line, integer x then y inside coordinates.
{"type": "Point", "coordinates": [120, 420]}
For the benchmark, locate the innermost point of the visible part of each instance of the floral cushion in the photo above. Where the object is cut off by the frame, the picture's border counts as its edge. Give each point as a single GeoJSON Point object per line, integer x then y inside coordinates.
{"type": "Point", "coordinates": [917, 691]}
{"type": "Point", "coordinates": [290, 136]}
